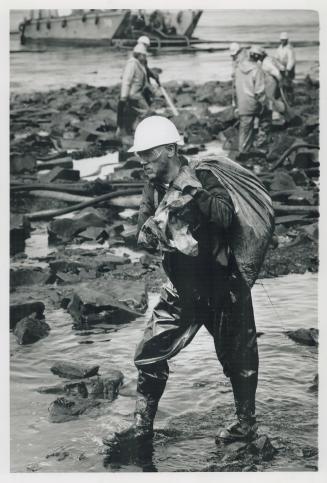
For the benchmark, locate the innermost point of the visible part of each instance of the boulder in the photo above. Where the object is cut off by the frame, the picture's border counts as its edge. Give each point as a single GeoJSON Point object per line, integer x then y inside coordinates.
{"type": "Point", "coordinates": [184, 100]}
{"type": "Point", "coordinates": [60, 173]}
{"type": "Point", "coordinates": [315, 384]}
{"type": "Point", "coordinates": [282, 181]}
{"type": "Point", "coordinates": [280, 145]}
{"type": "Point", "coordinates": [64, 229]}
{"type": "Point", "coordinates": [112, 302]}
{"type": "Point", "coordinates": [262, 448]}
{"type": "Point", "coordinates": [22, 163]}
{"type": "Point", "coordinates": [64, 409]}
{"type": "Point", "coordinates": [20, 230]}
{"type": "Point", "coordinates": [96, 387]}
{"type": "Point", "coordinates": [226, 116]}
{"type": "Point", "coordinates": [105, 387]}
{"type": "Point", "coordinates": [311, 231]}
{"type": "Point", "coordinates": [28, 276]}
{"type": "Point", "coordinates": [304, 160]}
{"type": "Point", "coordinates": [184, 120]}
{"type": "Point", "coordinates": [20, 311]}
{"type": "Point", "coordinates": [30, 330]}
{"type": "Point", "coordinates": [304, 336]}
{"type": "Point", "coordinates": [74, 370]}
{"type": "Point", "coordinates": [299, 177]}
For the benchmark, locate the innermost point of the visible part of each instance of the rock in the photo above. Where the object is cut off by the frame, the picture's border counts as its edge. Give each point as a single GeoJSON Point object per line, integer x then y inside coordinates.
{"type": "Point", "coordinates": [20, 311]}
{"type": "Point", "coordinates": [74, 370]}
{"type": "Point", "coordinates": [189, 149]}
{"type": "Point", "coordinates": [57, 389]}
{"type": "Point", "coordinates": [66, 163]}
{"type": "Point", "coordinates": [311, 231]}
{"type": "Point", "coordinates": [28, 276]}
{"type": "Point", "coordinates": [60, 454]}
{"type": "Point", "coordinates": [60, 173]}
{"type": "Point", "coordinates": [20, 229]}
{"type": "Point", "coordinates": [314, 386]}
{"type": "Point", "coordinates": [299, 177]}
{"type": "Point", "coordinates": [280, 145]}
{"type": "Point", "coordinates": [105, 387]}
{"type": "Point", "coordinates": [184, 100]}
{"type": "Point", "coordinates": [64, 229]}
{"type": "Point", "coordinates": [282, 181]}
{"type": "Point", "coordinates": [263, 448]}
{"type": "Point", "coordinates": [64, 409]}
{"type": "Point", "coordinates": [304, 160]}
{"type": "Point", "coordinates": [304, 336]}
{"type": "Point", "coordinates": [89, 306]}
{"type": "Point", "coordinates": [30, 330]}
{"type": "Point", "coordinates": [22, 163]}
{"type": "Point", "coordinates": [226, 116]}
{"type": "Point", "coordinates": [312, 79]}
{"type": "Point", "coordinates": [311, 123]}
{"type": "Point", "coordinates": [184, 120]}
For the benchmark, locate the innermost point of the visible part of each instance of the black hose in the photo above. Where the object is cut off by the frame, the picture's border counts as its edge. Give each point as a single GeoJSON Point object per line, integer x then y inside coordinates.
{"type": "Point", "coordinates": [48, 214]}
{"type": "Point", "coordinates": [290, 150]}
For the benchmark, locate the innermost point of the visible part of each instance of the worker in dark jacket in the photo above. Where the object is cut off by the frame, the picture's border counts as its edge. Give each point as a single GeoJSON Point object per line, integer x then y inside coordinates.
{"type": "Point", "coordinates": [205, 289]}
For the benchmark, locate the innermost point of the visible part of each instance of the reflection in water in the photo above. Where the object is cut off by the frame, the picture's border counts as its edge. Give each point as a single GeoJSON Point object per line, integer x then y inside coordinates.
{"type": "Point", "coordinates": [132, 452]}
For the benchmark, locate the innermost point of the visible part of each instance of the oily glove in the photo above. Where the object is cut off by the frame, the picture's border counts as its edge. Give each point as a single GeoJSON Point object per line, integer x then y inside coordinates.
{"type": "Point", "coordinates": [186, 181]}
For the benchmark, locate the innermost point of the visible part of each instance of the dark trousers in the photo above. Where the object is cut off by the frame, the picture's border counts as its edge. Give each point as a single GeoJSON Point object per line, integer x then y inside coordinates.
{"type": "Point", "coordinates": [175, 321]}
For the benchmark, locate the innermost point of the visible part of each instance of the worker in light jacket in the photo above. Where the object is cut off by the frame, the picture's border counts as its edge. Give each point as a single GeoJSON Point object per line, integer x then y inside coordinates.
{"type": "Point", "coordinates": [133, 104]}
{"type": "Point", "coordinates": [286, 56]}
{"type": "Point", "coordinates": [250, 94]}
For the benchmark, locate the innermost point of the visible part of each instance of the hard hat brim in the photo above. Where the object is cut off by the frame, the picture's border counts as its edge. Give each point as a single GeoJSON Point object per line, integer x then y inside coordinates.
{"type": "Point", "coordinates": [137, 148]}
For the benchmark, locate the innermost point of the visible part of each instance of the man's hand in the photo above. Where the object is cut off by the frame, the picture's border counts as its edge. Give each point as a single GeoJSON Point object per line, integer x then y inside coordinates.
{"type": "Point", "coordinates": [186, 182]}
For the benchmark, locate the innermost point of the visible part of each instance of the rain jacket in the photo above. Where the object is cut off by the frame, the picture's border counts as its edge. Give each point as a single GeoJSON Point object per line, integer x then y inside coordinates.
{"type": "Point", "coordinates": [250, 87]}
{"type": "Point", "coordinates": [134, 78]}
{"type": "Point", "coordinates": [272, 67]}
{"type": "Point", "coordinates": [286, 56]}
{"type": "Point", "coordinates": [232, 212]}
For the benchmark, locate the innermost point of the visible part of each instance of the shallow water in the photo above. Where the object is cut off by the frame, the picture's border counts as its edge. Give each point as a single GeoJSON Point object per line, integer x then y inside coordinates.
{"type": "Point", "coordinates": [197, 399]}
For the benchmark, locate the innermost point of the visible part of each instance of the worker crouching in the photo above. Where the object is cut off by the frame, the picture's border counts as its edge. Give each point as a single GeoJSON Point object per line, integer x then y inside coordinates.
{"type": "Point", "coordinates": [203, 230]}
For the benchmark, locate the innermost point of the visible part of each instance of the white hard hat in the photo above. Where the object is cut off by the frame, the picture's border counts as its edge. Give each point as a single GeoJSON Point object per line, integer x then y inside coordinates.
{"type": "Point", "coordinates": [255, 49]}
{"type": "Point", "coordinates": [234, 48]}
{"type": "Point", "coordinates": [283, 36]}
{"type": "Point", "coordinates": [144, 40]}
{"type": "Point", "coordinates": [140, 49]}
{"type": "Point", "coordinates": [154, 131]}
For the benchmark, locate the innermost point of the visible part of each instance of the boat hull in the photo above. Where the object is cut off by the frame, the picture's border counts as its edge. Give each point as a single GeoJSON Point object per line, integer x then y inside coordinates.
{"type": "Point", "coordinates": [89, 28]}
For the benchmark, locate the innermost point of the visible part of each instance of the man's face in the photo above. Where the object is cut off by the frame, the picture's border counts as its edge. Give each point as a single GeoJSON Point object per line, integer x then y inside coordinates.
{"type": "Point", "coordinates": [284, 42]}
{"type": "Point", "coordinates": [157, 162]}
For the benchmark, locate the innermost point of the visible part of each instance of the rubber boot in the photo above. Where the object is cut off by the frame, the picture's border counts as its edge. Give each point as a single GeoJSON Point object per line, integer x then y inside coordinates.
{"type": "Point", "coordinates": [142, 427]}
{"type": "Point", "coordinates": [245, 428]}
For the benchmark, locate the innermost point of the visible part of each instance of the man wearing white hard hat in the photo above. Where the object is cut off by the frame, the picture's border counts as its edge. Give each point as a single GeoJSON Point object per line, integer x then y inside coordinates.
{"type": "Point", "coordinates": [272, 70]}
{"type": "Point", "coordinates": [132, 102]}
{"type": "Point", "coordinates": [250, 94]}
{"type": "Point", "coordinates": [237, 54]}
{"type": "Point", "coordinates": [144, 40]}
{"type": "Point", "coordinates": [286, 56]}
{"type": "Point", "coordinates": [204, 289]}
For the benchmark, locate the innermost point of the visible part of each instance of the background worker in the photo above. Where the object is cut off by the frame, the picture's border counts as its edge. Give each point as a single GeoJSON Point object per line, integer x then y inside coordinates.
{"type": "Point", "coordinates": [286, 56]}
{"type": "Point", "coordinates": [250, 94]}
{"type": "Point", "coordinates": [237, 54]}
{"type": "Point", "coordinates": [273, 79]}
{"type": "Point", "coordinates": [133, 104]}
{"type": "Point", "coordinates": [148, 92]}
